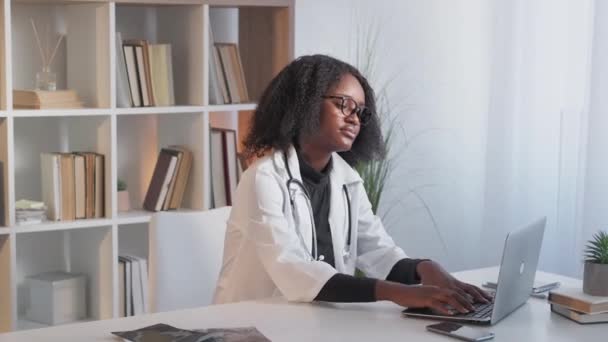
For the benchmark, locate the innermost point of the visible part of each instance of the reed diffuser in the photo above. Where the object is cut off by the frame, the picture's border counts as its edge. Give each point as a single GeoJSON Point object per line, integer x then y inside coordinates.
{"type": "Point", "coordinates": [45, 78]}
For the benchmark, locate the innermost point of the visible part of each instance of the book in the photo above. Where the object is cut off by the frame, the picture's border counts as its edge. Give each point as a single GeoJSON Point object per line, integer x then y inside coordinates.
{"type": "Point", "coordinates": [158, 187]}
{"type": "Point", "coordinates": [42, 99]}
{"type": "Point", "coordinates": [240, 73]}
{"type": "Point", "coordinates": [182, 176]}
{"type": "Point", "coordinates": [232, 68]}
{"type": "Point", "coordinates": [576, 299]}
{"type": "Point", "coordinates": [144, 70]}
{"type": "Point", "coordinates": [229, 72]}
{"type": "Point", "coordinates": [123, 93]}
{"type": "Point", "coordinates": [128, 285]}
{"type": "Point", "coordinates": [224, 166]}
{"type": "Point", "coordinates": [68, 206]}
{"type": "Point", "coordinates": [580, 317]}
{"type": "Point", "coordinates": [229, 141]}
{"type": "Point", "coordinates": [91, 182]}
{"type": "Point", "coordinates": [142, 75]}
{"type": "Point", "coordinates": [171, 186]}
{"type": "Point", "coordinates": [215, 92]}
{"type": "Point", "coordinates": [50, 170]}
{"type": "Point", "coordinates": [221, 76]}
{"type": "Point", "coordinates": [99, 186]}
{"type": "Point", "coordinates": [79, 185]}
{"type": "Point", "coordinates": [131, 64]}
{"type": "Point", "coordinates": [122, 304]}
{"type": "Point", "coordinates": [161, 74]}
{"type": "Point", "coordinates": [217, 170]}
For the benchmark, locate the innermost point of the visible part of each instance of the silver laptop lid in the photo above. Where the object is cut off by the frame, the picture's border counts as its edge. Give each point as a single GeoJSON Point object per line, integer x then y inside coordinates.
{"type": "Point", "coordinates": [518, 268]}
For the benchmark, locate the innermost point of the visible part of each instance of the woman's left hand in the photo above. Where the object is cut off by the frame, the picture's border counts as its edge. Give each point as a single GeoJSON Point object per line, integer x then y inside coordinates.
{"type": "Point", "coordinates": [431, 273]}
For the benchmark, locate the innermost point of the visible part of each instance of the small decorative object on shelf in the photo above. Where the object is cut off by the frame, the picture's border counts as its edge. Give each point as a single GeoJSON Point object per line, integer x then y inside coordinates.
{"type": "Point", "coordinates": [123, 196]}
{"type": "Point", "coordinates": [29, 212]}
{"type": "Point", "coordinates": [56, 297]}
{"type": "Point", "coordinates": [45, 78]}
{"type": "Point", "coordinates": [595, 280]}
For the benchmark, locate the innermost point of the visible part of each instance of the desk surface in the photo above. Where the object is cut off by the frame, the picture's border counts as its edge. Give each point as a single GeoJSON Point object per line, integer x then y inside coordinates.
{"type": "Point", "coordinates": [281, 321]}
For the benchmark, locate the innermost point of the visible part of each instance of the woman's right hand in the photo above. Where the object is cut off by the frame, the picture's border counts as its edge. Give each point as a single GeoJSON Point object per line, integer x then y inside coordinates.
{"type": "Point", "coordinates": [432, 297]}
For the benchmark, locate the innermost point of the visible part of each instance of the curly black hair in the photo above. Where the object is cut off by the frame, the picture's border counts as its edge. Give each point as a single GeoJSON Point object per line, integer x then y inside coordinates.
{"type": "Point", "coordinates": [291, 106]}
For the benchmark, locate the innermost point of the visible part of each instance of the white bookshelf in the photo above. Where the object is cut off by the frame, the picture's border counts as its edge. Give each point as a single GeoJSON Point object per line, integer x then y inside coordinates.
{"type": "Point", "coordinates": [129, 138]}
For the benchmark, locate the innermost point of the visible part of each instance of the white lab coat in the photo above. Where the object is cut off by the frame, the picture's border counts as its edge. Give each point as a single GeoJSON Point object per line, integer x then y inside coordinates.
{"type": "Point", "coordinates": [264, 255]}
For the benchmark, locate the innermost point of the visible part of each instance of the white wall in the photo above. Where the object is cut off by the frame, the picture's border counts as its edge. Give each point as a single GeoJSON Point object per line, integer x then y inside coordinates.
{"type": "Point", "coordinates": [492, 99]}
{"type": "Point", "coordinates": [438, 52]}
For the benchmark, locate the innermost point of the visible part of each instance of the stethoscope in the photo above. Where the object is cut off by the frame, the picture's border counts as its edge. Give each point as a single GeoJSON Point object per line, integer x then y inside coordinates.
{"type": "Point", "coordinates": [296, 182]}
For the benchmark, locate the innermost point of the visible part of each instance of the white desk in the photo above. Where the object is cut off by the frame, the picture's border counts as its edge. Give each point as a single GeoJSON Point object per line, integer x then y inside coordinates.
{"type": "Point", "coordinates": [282, 321]}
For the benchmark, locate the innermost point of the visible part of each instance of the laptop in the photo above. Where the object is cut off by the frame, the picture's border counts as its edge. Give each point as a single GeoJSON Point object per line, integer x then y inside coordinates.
{"type": "Point", "coordinates": [515, 279]}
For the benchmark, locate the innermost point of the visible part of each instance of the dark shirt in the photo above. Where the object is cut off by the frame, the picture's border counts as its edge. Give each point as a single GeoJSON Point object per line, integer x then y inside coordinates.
{"type": "Point", "coordinates": [343, 287]}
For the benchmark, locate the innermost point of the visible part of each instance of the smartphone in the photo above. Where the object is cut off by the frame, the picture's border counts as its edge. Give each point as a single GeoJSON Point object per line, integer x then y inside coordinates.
{"type": "Point", "coordinates": [460, 331]}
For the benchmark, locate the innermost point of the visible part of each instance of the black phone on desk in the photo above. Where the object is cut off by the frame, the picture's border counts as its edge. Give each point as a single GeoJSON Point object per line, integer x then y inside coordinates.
{"type": "Point", "coordinates": [460, 331]}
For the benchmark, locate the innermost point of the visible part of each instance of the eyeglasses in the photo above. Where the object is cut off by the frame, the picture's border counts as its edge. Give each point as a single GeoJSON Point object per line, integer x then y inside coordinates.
{"type": "Point", "coordinates": [349, 107]}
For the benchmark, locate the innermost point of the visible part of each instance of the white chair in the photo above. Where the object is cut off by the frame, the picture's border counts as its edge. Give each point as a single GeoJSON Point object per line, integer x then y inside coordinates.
{"type": "Point", "coordinates": [186, 250]}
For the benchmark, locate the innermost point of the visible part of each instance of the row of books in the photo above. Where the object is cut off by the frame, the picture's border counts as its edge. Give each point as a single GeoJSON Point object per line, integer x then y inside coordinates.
{"type": "Point", "coordinates": [574, 304]}
{"type": "Point", "coordinates": [226, 166]}
{"type": "Point", "coordinates": [169, 180]}
{"type": "Point", "coordinates": [132, 285]}
{"type": "Point", "coordinates": [73, 185]}
{"type": "Point", "coordinates": [226, 77]}
{"type": "Point", "coordinates": [43, 99]}
{"type": "Point", "coordinates": [144, 73]}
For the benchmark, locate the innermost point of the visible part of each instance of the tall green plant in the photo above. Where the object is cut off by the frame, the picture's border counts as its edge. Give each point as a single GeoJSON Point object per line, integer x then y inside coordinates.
{"type": "Point", "coordinates": [376, 173]}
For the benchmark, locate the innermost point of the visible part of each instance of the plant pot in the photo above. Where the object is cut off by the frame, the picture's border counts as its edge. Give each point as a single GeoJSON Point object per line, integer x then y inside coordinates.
{"type": "Point", "coordinates": [123, 201]}
{"type": "Point", "coordinates": [595, 280]}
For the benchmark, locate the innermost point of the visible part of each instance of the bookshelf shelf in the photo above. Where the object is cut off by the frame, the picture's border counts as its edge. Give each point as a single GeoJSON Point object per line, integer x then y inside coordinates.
{"type": "Point", "coordinates": [59, 112]}
{"type": "Point", "coordinates": [135, 216]}
{"type": "Point", "coordinates": [130, 139]}
{"type": "Point", "coordinates": [157, 110]}
{"type": "Point", "coordinates": [62, 225]}
{"type": "Point", "coordinates": [231, 107]}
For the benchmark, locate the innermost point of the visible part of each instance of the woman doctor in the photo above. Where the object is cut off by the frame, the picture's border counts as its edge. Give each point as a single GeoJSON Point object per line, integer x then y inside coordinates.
{"type": "Point", "coordinates": [301, 222]}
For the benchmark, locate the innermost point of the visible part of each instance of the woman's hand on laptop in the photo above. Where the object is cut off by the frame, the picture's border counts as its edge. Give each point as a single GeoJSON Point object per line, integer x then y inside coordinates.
{"type": "Point", "coordinates": [433, 297]}
{"type": "Point", "coordinates": [431, 273]}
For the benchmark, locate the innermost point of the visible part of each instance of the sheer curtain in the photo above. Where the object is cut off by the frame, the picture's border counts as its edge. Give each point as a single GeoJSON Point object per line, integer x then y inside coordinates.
{"type": "Point", "coordinates": [537, 126]}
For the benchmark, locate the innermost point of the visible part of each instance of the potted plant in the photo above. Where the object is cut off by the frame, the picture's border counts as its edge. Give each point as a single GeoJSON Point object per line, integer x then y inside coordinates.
{"type": "Point", "coordinates": [123, 196]}
{"type": "Point", "coordinates": [595, 280]}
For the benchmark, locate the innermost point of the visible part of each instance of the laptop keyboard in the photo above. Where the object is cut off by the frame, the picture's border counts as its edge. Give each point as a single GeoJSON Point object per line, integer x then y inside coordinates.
{"type": "Point", "coordinates": [482, 310]}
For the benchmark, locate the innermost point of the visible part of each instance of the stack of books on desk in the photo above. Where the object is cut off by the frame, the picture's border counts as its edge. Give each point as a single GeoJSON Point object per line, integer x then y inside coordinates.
{"type": "Point", "coordinates": [578, 306]}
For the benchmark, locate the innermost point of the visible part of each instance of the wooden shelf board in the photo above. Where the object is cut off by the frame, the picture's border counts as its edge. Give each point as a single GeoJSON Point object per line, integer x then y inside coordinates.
{"type": "Point", "coordinates": [60, 112]}
{"type": "Point", "coordinates": [159, 110]}
{"type": "Point", "coordinates": [231, 107]}
{"type": "Point", "coordinates": [63, 225]}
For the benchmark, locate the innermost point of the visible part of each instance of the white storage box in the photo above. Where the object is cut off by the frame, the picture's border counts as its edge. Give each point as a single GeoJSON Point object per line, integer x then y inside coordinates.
{"type": "Point", "coordinates": [56, 297]}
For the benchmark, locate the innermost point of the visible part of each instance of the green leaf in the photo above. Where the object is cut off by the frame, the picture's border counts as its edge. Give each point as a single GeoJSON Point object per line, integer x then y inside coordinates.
{"type": "Point", "coordinates": [596, 250]}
